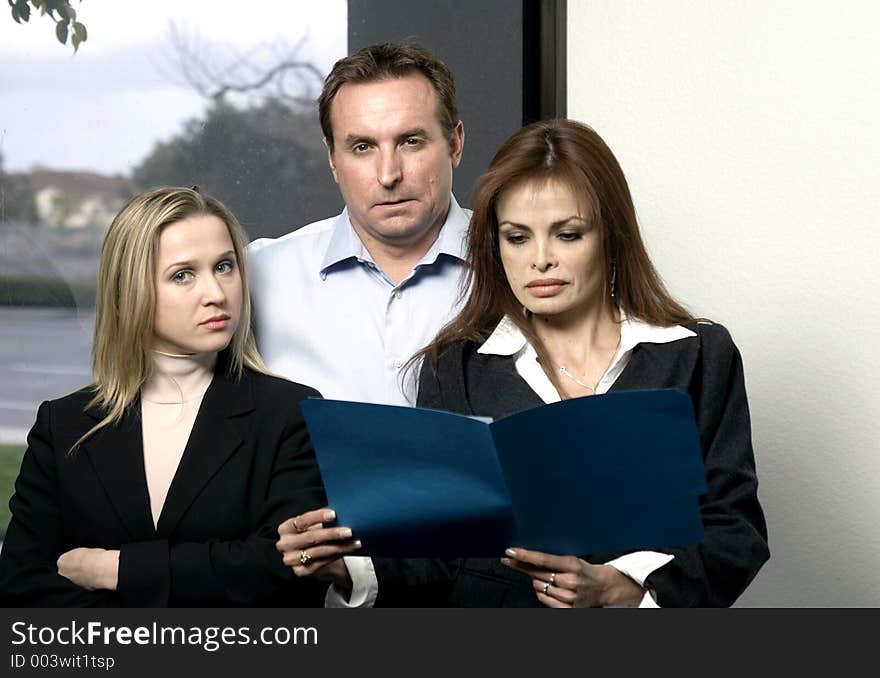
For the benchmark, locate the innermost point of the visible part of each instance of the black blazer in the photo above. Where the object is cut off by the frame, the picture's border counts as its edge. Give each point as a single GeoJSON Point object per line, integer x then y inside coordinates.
{"type": "Point", "coordinates": [714, 572]}
{"type": "Point", "coordinates": [248, 465]}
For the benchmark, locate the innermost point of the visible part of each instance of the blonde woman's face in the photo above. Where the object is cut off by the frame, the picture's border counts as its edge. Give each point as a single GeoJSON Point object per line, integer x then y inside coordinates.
{"type": "Point", "coordinates": [198, 287]}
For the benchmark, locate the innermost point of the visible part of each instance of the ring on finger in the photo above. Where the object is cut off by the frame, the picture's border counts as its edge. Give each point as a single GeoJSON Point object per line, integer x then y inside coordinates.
{"type": "Point", "coordinates": [297, 527]}
{"type": "Point", "coordinates": [304, 558]}
{"type": "Point", "coordinates": [544, 589]}
{"type": "Point", "coordinates": [552, 579]}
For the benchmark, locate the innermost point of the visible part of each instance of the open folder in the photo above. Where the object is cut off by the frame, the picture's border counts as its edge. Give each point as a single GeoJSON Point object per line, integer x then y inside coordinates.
{"type": "Point", "coordinates": [621, 471]}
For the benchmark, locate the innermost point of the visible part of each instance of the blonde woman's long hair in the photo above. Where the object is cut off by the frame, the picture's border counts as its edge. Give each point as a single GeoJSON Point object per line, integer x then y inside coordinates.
{"type": "Point", "coordinates": [125, 303]}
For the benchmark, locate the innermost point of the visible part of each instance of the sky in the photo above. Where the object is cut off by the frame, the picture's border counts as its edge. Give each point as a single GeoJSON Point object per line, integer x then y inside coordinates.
{"type": "Point", "coordinates": [104, 108]}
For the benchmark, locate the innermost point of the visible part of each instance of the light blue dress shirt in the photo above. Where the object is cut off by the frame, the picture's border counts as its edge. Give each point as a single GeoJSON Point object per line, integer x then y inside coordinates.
{"type": "Point", "coordinates": [327, 316]}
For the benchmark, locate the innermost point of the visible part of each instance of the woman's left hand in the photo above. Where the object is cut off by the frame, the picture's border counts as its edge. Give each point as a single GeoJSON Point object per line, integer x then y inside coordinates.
{"type": "Point", "coordinates": [90, 568]}
{"type": "Point", "coordinates": [567, 581]}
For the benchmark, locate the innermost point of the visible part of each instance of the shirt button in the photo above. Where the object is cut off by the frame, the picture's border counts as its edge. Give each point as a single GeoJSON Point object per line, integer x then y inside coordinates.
{"type": "Point", "coordinates": [398, 294]}
{"type": "Point", "coordinates": [398, 363]}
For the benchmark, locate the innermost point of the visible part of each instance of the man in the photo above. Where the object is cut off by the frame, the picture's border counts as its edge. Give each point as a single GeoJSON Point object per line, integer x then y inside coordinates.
{"type": "Point", "coordinates": [342, 304]}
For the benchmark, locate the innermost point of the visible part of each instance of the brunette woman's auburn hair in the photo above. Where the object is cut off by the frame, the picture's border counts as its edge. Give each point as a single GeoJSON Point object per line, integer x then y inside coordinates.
{"type": "Point", "coordinates": [575, 155]}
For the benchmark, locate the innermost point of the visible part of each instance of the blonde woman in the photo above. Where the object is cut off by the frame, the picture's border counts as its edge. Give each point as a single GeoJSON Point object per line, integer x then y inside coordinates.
{"type": "Point", "coordinates": [162, 482]}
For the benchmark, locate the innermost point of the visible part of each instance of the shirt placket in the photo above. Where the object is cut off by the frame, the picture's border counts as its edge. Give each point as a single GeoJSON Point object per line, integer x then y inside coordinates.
{"type": "Point", "coordinates": [396, 345]}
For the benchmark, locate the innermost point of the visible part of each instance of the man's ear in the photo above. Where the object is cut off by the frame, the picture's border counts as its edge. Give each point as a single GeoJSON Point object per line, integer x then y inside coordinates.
{"type": "Point", "coordinates": [456, 143]}
{"type": "Point", "coordinates": [330, 159]}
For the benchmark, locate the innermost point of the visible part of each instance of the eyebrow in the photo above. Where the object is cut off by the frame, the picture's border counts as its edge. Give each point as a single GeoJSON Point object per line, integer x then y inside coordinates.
{"type": "Point", "coordinates": [188, 262]}
{"type": "Point", "coordinates": [555, 224]}
{"type": "Point", "coordinates": [352, 139]}
{"type": "Point", "coordinates": [415, 132]}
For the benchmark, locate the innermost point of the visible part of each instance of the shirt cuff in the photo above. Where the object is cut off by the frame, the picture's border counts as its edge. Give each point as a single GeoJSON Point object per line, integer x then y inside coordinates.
{"type": "Point", "coordinates": [364, 585]}
{"type": "Point", "coordinates": [638, 566]}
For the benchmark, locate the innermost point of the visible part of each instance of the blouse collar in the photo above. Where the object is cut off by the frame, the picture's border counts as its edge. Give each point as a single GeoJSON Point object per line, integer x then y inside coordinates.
{"type": "Point", "coordinates": [507, 339]}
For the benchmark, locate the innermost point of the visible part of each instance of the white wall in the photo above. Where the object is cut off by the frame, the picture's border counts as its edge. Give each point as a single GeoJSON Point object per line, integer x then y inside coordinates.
{"type": "Point", "coordinates": [749, 131]}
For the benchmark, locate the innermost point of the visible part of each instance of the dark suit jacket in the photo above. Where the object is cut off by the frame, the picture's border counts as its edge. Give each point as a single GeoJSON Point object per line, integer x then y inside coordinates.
{"type": "Point", "coordinates": [714, 572]}
{"type": "Point", "coordinates": [248, 465]}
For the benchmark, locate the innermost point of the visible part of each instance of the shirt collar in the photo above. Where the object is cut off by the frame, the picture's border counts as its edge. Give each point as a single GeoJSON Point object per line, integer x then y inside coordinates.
{"type": "Point", "coordinates": [345, 244]}
{"type": "Point", "coordinates": [507, 339]}
{"type": "Point", "coordinates": [452, 239]}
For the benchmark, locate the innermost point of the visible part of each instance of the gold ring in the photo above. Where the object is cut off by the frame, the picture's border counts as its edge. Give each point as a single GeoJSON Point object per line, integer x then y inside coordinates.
{"type": "Point", "coordinates": [304, 557]}
{"type": "Point", "coordinates": [296, 527]}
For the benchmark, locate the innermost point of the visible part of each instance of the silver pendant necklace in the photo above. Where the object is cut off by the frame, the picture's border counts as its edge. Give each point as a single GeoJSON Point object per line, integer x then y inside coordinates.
{"type": "Point", "coordinates": [591, 389]}
{"type": "Point", "coordinates": [576, 380]}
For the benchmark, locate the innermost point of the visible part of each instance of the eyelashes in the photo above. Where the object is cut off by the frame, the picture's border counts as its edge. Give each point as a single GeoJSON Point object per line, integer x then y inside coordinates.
{"type": "Point", "coordinates": [185, 275]}
{"type": "Point", "coordinates": [522, 238]}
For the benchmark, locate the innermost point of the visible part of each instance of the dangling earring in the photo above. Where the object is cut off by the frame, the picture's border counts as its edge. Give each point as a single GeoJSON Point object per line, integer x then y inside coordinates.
{"type": "Point", "coordinates": [613, 278]}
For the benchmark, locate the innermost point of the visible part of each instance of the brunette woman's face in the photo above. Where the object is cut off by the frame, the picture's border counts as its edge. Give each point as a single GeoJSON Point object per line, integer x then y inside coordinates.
{"type": "Point", "coordinates": [552, 254]}
{"type": "Point", "coordinates": [198, 287]}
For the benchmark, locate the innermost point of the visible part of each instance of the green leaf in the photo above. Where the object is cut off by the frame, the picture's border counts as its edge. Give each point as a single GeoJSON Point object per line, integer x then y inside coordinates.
{"type": "Point", "coordinates": [79, 35]}
{"type": "Point", "coordinates": [20, 10]}
{"type": "Point", "coordinates": [61, 32]}
{"type": "Point", "coordinates": [79, 31]}
{"type": "Point", "coordinates": [67, 11]}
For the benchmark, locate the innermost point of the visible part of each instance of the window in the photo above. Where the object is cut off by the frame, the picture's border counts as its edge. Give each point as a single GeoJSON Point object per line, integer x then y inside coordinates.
{"type": "Point", "coordinates": [210, 92]}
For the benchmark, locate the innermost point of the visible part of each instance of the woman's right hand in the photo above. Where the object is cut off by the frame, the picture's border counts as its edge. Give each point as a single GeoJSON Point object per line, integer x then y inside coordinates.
{"type": "Point", "coordinates": [568, 581]}
{"type": "Point", "coordinates": [309, 548]}
{"type": "Point", "coordinates": [90, 568]}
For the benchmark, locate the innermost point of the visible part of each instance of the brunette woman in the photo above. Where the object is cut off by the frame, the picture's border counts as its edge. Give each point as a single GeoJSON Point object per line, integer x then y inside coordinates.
{"type": "Point", "coordinates": [565, 303]}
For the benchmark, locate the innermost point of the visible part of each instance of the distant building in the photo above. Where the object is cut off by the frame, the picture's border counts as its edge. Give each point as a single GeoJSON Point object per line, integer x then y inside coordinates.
{"type": "Point", "coordinates": [78, 199]}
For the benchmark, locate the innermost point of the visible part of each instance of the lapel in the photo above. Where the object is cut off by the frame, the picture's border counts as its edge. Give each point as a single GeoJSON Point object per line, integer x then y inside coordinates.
{"type": "Point", "coordinates": [117, 456]}
{"type": "Point", "coordinates": [215, 436]}
{"type": "Point", "coordinates": [497, 390]}
{"type": "Point", "coordinates": [669, 365]}
{"type": "Point", "coordinates": [494, 388]}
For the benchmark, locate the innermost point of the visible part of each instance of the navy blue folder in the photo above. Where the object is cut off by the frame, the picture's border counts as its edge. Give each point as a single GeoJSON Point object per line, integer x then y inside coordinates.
{"type": "Point", "coordinates": [621, 471]}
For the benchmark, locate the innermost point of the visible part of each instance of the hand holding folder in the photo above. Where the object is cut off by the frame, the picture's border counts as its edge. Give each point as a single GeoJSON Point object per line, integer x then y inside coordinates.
{"type": "Point", "coordinates": [621, 471]}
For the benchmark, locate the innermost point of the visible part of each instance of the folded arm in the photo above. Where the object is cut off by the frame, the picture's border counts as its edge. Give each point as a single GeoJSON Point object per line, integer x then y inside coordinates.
{"type": "Point", "coordinates": [28, 571]}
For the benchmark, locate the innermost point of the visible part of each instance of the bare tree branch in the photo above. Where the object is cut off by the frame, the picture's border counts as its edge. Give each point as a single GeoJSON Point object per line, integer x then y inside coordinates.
{"type": "Point", "coordinates": [266, 66]}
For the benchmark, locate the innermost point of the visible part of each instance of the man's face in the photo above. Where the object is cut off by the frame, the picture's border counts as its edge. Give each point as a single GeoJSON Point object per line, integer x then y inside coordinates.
{"type": "Point", "coordinates": [392, 160]}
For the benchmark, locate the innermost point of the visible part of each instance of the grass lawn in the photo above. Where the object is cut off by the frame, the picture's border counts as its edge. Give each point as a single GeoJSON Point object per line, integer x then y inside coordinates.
{"type": "Point", "coordinates": [10, 461]}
